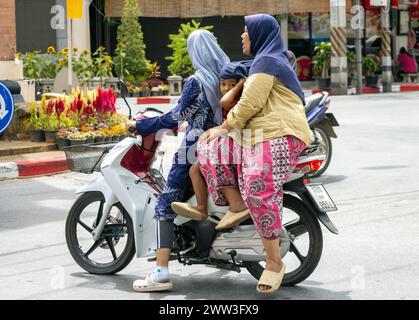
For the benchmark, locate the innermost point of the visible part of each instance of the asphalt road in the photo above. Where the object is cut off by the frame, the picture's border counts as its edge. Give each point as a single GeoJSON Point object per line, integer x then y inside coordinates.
{"type": "Point", "coordinates": [373, 179]}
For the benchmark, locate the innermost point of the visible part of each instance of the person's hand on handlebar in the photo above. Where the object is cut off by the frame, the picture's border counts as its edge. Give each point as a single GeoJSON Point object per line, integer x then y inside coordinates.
{"type": "Point", "coordinates": [130, 128]}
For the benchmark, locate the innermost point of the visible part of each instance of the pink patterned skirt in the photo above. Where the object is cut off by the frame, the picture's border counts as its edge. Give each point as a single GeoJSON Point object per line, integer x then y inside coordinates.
{"type": "Point", "coordinates": [259, 172]}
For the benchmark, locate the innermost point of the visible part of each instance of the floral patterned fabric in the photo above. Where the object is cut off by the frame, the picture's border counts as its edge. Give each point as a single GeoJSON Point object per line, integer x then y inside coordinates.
{"type": "Point", "coordinates": [259, 172]}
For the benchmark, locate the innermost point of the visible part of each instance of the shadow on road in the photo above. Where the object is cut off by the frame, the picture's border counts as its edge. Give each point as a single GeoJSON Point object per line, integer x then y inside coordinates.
{"type": "Point", "coordinates": [216, 286]}
{"type": "Point", "coordinates": [326, 179]}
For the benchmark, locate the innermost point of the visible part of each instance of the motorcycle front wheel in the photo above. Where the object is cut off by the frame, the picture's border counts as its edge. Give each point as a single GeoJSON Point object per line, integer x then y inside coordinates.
{"type": "Point", "coordinates": [115, 248]}
{"type": "Point", "coordinates": [306, 246]}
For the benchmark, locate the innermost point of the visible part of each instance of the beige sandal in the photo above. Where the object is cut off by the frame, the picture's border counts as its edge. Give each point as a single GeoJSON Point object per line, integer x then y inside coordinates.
{"type": "Point", "coordinates": [271, 279]}
{"type": "Point", "coordinates": [186, 210]}
{"type": "Point", "coordinates": [149, 285]}
{"type": "Point", "coordinates": [232, 219]}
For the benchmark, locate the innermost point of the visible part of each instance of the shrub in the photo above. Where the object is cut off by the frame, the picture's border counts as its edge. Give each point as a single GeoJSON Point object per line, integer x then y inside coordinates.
{"type": "Point", "coordinates": [130, 60]}
{"type": "Point", "coordinates": [181, 64]}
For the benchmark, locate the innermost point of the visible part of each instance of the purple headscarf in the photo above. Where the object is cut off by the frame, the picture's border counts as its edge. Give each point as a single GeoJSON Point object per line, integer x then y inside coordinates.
{"type": "Point", "coordinates": [269, 52]}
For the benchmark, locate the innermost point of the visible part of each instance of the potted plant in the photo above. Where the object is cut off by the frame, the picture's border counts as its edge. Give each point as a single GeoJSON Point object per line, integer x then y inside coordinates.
{"type": "Point", "coordinates": [51, 126]}
{"type": "Point", "coordinates": [83, 66]}
{"type": "Point", "coordinates": [165, 89]}
{"type": "Point", "coordinates": [77, 138]}
{"type": "Point", "coordinates": [99, 136]}
{"type": "Point", "coordinates": [35, 123]}
{"type": "Point", "coordinates": [321, 62]}
{"type": "Point", "coordinates": [103, 64]}
{"type": "Point", "coordinates": [144, 89]}
{"type": "Point", "coordinates": [180, 62]}
{"type": "Point", "coordinates": [372, 70]}
{"type": "Point", "coordinates": [351, 61]}
{"type": "Point", "coordinates": [90, 136]}
{"type": "Point", "coordinates": [62, 138]}
{"type": "Point", "coordinates": [130, 59]}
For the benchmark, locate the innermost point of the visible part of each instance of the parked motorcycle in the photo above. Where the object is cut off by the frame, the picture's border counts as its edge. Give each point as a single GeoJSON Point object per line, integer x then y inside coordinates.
{"type": "Point", "coordinates": [112, 220]}
{"type": "Point", "coordinates": [321, 122]}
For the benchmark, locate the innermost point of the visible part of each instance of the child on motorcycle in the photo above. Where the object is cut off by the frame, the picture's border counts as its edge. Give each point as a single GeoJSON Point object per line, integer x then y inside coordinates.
{"type": "Point", "coordinates": [233, 76]}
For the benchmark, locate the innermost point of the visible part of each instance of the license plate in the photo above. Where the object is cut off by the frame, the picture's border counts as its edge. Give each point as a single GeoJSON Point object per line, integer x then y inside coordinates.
{"type": "Point", "coordinates": [320, 196]}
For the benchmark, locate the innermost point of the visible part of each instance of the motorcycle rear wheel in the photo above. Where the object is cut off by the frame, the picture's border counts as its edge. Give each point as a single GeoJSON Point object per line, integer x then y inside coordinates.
{"type": "Point", "coordinates": [325, 148]}
{"type": "Point", "coordinates": [306, 223]}
{"type": "Point", "coordinates": [122, 221]}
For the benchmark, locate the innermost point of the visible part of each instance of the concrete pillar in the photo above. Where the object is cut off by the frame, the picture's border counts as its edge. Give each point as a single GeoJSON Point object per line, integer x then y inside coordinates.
{"type": "Point", "coordinates": [339, 65]}
{"type": "Point", "coordinates": [81, 30]}
{"type": "Point", "coordinates": [386, 75]}
{"type": "Point", "coordinates": [284, 29]}
{"type": "Point", "coordinates": [80, 27]}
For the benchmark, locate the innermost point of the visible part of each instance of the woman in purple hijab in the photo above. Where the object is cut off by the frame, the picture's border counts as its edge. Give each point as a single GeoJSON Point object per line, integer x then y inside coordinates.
{"type": "Point", "coordinates": [266, 131]}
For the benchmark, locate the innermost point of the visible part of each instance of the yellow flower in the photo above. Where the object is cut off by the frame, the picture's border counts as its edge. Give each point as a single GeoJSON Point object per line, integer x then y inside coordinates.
{"type": "Point", "coordinates": [85, 52]}
{"type": "Point", "coordinates": [108, 58]}
{"type": "Point", "coordinates": [19, 55]}
{"type": "Point", "coordinates": [28, 55]}
{"type": "Point", "coordinates": [64, 51]}
{"type": "Point", "coordinates": [51, 49]}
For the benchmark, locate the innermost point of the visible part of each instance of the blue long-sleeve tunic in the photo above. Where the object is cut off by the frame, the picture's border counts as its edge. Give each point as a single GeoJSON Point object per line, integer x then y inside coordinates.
{"type": "Point", "coordinates": [194, 108]}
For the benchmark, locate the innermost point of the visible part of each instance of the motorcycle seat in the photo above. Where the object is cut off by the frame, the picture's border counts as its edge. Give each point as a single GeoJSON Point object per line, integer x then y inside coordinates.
{"type": "Point", "coordinates": [312, 101]}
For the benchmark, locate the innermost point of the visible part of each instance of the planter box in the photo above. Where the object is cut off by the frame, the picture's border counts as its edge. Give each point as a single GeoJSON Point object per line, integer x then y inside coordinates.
{"type": "Point", "coordinates": [51, 136]}
{"type": "Point", "coordinates": [99, 139]}
{"type": "Point", "coordinates": [62, 142]}
{"type": "Point", "coordinates": [77, 142]}
{"type": "Point", "coordinates": [46, 85]}
{"type": "Point", "coordinates": [37, 135]}
{"type": "Point", "coordinates": [371, 81]}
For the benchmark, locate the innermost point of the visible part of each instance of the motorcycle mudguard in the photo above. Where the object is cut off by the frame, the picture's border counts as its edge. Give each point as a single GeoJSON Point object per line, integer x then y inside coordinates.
{"type": "Point", "coordinates": [327, 127]}
{"type": "Point", "coordinates": [99, 185]}
{"type": "Point", "coordinates": [298, 187]}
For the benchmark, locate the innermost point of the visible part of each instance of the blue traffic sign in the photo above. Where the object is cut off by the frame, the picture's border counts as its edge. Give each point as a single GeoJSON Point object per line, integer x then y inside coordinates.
{"type": "Point", "coordinates": [6, 107]}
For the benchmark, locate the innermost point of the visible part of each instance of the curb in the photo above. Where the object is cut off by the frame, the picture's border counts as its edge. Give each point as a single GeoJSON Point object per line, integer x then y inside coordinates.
{"type": "Point", "coordinates": [370, 90]}
{"type": "Point", "coordinates": [13, 170]}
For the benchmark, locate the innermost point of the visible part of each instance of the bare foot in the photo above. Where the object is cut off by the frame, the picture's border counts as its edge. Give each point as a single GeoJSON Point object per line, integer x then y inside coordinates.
{"type": "Point", "coordinates": [203, 210]}
{"type": "Point", "coordinates": [237, 207]}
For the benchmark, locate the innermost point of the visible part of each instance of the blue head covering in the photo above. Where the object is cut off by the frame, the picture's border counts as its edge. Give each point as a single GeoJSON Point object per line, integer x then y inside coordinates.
{"type": "Point", "coordinates": [269, 52]}
{"type": "Point", "coordinates": [208, 59]}
{"type": "Point", "coordinates": [236, 70]}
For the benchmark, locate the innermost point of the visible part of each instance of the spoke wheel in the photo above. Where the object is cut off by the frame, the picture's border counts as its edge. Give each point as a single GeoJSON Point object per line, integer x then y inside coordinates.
{"type": "Point", "coordinates": [113, 250]}
{"type": "Point", "coordinates": [306, 243]}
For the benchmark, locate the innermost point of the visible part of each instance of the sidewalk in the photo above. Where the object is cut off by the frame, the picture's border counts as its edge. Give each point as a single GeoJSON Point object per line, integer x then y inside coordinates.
{"type": "Point", "coordinates": [26, 159]}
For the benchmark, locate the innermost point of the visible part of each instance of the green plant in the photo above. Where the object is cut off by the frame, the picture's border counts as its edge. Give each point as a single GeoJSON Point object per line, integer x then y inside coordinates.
{"type": "Point", "coordinates": [351, 61]}
{"type": "Point", "coordinates": [51, 122]}
{"type": "Point", "coordinates": [321, 59]}
{"type": "Point", "coordinates": [32, 67]}
{"type": "Point", "coordinates": [370, 65]}
{"type": "Point", "coordinates": [120, 68]}
{"type": "Point", "coordinates": [130, 59]}
{"type": "Point", "coordinates": [181, 64]}
{"type": "Point", "coordinates": [84, 67]}
{"type": "Point", "coordinates": [103, 63]}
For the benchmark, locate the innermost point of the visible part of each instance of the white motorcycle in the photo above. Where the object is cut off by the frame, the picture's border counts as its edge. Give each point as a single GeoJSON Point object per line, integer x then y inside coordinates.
{"type": "Point", "coordinates": [112, 220]}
